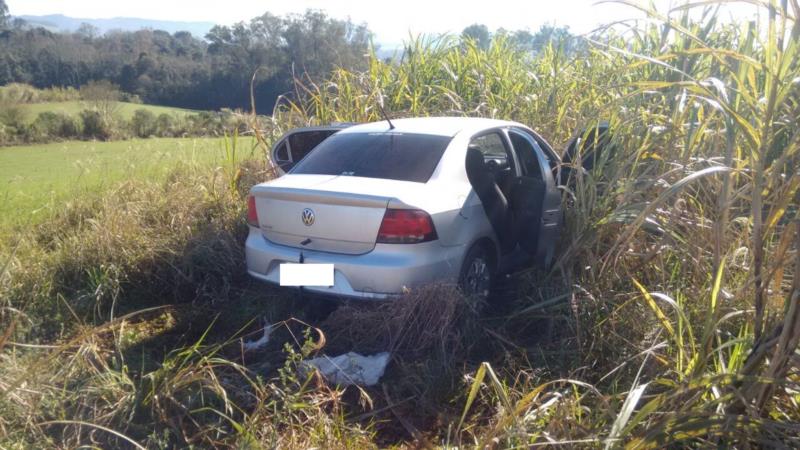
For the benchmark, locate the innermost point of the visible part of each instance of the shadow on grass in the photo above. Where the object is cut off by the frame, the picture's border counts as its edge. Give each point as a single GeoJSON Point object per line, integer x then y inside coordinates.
{"type": "Point", "coordinates": [434, 339]}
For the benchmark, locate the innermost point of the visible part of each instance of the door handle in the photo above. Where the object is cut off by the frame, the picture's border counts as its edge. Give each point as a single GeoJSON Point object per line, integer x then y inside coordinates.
{"type": "Point", "coordinates": [551, 213]}
{"type": "Point", "coordinates": [550, 216]}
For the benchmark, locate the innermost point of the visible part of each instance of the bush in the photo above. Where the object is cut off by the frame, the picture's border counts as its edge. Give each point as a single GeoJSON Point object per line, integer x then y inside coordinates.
{"type": "Point", "coordinates": [49, 125]}
{"type": "Point", "coordinates": [13, 123]}
{"type": "Point", "coordinates": [102, 90]}
{"type": "Point", "coordinates": [143, 123]}
{"type": "Point", "coordinates": [13, 114]}
{"type": "Point", "coordinates": [19, 93]}
{"type": "Point", "coordinates": [215, 123]}
{"type": "Point", "coordinates": [94, 126]}
{"type": "Point", "coordinates": [165, 124]}
{"type": "Point", "coordinates": [25, 93]}
{"type": "Point", "coordinates": [103, 96]}
{"type": "Point", "coordinates": [131, 98]}
{"type": "Point", "coordinates": [5, 134]}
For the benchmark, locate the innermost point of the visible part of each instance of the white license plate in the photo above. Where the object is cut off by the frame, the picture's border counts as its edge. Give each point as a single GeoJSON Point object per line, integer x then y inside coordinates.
{"type": "Point", "coordinates": [306, 274]}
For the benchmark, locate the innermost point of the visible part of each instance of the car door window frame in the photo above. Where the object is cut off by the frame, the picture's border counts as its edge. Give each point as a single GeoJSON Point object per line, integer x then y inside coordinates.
{"type": "Point", "coordinates": [523, 172]}
{"type": "Point", "coordinates": [285, 140]}
{"type": "Point", "coordinates": [511, 157]}
{"type": "Point", "coordinates": [545, 173]}
{"type": "Point", "coordinates": [552, 160]}
{"type": "Point", "coordinates": [546, 148]}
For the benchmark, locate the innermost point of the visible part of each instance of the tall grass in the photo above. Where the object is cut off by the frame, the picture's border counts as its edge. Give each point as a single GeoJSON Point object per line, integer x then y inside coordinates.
{"type": "Point", "coordinates": [671, 318]}
{"type": "Point", "coordinates": [705, 151]}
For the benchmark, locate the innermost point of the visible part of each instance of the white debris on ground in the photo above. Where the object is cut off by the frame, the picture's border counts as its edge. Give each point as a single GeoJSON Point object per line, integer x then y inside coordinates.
{"type": "Point", "coordinates": [260, 342]}
{"type": "Point", "coordinates": [350, 368]}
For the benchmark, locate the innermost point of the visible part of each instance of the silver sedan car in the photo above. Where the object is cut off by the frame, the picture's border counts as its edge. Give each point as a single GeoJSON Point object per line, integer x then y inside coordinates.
{"type": "Point", "coordinates": [382, 207]}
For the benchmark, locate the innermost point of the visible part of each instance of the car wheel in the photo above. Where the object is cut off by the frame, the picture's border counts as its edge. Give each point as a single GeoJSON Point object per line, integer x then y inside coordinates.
{"type": "Point", "coordinates": [477, 276]}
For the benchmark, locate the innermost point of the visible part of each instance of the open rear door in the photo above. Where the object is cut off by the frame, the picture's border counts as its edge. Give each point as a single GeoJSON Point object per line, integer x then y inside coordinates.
{"type": "Point", "coordinates": [537, 198]}
{"type": "Point", "coordinates": [296, 144]}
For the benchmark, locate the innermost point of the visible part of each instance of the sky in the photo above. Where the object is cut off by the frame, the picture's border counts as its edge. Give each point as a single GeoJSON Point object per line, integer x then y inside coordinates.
{"type": "Point", "coordinates": [390, 21]}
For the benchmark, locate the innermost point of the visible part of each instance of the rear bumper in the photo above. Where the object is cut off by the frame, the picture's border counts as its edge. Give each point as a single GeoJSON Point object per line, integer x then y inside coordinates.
{"type": "Point", "coordinates": [382, 273]}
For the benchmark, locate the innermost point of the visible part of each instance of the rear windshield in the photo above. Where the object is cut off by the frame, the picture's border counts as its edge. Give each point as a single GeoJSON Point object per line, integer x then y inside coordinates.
{"type": "Point", "coordinates": [391, 156]}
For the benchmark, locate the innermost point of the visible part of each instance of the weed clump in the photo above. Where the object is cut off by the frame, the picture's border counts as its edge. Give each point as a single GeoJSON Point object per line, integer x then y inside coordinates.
{"type": "Point", "coordinates": [430, 322]}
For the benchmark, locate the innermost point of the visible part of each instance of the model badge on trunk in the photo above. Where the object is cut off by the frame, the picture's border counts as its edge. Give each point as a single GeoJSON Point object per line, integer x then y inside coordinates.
{"type": "Point", "coordinates": [308, 217]}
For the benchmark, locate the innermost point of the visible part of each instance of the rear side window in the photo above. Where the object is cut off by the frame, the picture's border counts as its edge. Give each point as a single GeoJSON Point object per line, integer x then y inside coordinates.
{"type": "Point", "coordinates": [491, 145]}
{"type": "Point", "coordinates": [282, 152]}
{"type": "Point", "coordinates": [302, 143]}
{"type": "Point", "coordinates": [391, 156]}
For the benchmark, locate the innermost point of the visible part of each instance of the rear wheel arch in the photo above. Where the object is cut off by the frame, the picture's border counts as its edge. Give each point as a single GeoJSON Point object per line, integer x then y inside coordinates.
{"type": "Point", "coordinates": [492, 250]}
{"type": "Point", "coordinates": [477, 273]}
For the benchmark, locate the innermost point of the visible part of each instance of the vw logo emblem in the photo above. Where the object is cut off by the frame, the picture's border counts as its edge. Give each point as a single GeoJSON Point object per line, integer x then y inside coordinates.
{"type": "Point", "coordinates": [308, 217]}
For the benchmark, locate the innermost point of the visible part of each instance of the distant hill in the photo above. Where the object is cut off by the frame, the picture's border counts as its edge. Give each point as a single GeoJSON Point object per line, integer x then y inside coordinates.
{"type": "Point", "coordinates": [60, 22]}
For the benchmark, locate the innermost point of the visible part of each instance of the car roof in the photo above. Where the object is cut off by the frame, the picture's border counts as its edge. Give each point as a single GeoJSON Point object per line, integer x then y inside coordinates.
{"type": "Point", "coordinates": [441, 126]}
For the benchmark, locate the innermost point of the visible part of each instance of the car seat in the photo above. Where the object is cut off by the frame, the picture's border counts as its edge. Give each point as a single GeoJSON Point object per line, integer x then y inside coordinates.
{"type": "Point", "coordinates": [494, 201]}
{"type": "Point", "coordinates": [526, 204]}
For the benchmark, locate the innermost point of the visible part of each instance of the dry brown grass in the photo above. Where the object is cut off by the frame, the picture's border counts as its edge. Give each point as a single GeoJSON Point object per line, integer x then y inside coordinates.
{"type": "Point", "coordinates": [428, 322]}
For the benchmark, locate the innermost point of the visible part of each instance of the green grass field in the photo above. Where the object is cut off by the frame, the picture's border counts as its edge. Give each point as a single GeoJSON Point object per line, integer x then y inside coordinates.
{"type": "Point", "coordinates": [123, 109]}
{"type": "Point", "coordinates": [36, 177]}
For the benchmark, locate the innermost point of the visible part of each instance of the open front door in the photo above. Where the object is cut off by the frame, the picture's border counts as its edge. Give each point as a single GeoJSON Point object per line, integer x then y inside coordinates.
{"type": "Point", "coordinates": [296, 144]}
{"type": "Point", "coordinates": [536, 199]}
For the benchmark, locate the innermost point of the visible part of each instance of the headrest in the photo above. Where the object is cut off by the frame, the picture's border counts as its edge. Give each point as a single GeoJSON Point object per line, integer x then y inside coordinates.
{"type": "Point", "coordinates": [477, 172]}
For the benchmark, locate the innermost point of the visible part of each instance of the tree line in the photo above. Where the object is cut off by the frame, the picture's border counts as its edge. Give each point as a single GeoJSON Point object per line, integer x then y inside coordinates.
{"type": "Point", "coordinates": [181, 70]}
{"type": "Point", "coordinates": [215, 72]}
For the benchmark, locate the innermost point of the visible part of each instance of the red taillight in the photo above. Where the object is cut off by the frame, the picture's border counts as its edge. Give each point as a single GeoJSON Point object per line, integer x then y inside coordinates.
{"type": "Point", "coordinates": [406, 226]}
{"type": "Point", "coordinates": [252, 214]}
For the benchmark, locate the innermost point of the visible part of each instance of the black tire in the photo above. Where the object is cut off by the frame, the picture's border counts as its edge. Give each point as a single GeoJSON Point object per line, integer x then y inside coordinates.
{"type": "Point", "coordinates": [477, 275]}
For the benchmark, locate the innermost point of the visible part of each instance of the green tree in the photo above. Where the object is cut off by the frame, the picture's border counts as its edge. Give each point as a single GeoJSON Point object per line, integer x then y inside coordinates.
{"type": "Point", "coordinates": [478, 33]}
{"type": "Point", "coordinates": [316, 43]}
{"type": "Point", "coordinates": [165, 124]}
{"type": "Point", "coordinates": [281, 48]}
{"type": "Point", "coordinates": [547, 34]}
{"type": "Point", "coordinates": [5, 17]}
{"type": "Point", "coordinates": [181, 70]}
{"type": "Point", "coordinates": [94, 127]}
{"type": "Point", "coordinates": [143, 123]}
{"type": "Point", "coordinates": [87, 30]}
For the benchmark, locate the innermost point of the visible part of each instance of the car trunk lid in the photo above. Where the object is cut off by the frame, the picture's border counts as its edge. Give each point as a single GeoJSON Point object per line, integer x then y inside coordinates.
{"type": "Point", "coordinates": [321, 212]}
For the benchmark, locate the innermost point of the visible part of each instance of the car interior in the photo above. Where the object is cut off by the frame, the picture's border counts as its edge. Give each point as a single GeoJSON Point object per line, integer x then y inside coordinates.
{"type": "Point", "coordinates": [528, 191]}
{"type": "Point", "coordinates": [297, 145]}
{"type": "Point", "coordinates": [512, 197]}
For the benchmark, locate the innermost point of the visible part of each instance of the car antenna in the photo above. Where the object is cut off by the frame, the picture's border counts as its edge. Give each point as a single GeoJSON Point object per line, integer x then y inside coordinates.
{"type": "Point", "coordinates": [383, 111]}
